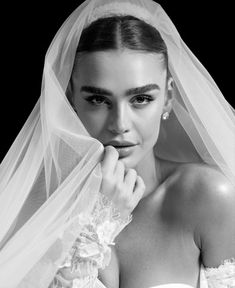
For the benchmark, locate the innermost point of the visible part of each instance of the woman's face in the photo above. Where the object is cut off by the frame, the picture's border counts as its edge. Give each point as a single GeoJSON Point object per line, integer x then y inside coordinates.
{"type": "Point", "coordinates": [119, 96]}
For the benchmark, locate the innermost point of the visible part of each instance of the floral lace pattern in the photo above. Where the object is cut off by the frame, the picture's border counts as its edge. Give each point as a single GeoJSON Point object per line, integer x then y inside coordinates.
{"type": "Point", "coordinates": [91, 250]}
{"type": "Point", "coordinates": [221, 277]}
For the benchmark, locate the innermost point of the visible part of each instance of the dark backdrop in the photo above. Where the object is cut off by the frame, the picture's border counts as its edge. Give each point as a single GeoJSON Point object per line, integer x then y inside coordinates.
{"type": "Point", "coordinates": [29, 28]}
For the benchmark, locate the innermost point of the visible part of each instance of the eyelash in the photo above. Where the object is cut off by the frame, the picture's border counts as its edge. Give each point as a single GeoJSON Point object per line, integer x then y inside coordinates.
{"type": "Point", "coordinates": [91, 99]}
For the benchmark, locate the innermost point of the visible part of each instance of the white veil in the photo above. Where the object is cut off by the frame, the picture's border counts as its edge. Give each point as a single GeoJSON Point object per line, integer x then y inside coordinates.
{"type": "Point", "coordinates": [51, 173]}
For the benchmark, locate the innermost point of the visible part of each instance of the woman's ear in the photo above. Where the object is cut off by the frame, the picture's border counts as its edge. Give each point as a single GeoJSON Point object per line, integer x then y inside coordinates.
{"type": "Point", "coordinates": [168, 95]}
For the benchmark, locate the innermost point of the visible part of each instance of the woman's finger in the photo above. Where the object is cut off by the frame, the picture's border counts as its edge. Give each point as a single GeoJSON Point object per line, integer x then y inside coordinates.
{"type": "Point", "coordinates": [110, 159]}
{"type": "Point", "coordinates": [119, 172]}
{"type": "Point", "coordinates": [138, 191]}
{"type": "Point", "coordinates": [130, 179]}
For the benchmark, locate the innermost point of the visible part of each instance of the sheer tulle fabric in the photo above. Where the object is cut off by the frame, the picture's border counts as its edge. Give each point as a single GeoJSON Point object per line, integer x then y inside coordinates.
{"type": "Point", "coordinates": [51, 174]}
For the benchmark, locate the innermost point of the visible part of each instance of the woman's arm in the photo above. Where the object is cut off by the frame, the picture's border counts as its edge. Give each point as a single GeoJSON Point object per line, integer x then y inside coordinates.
{"type": "Point", "coordinates": [216, 218]}
{"type": "Point", "coordinates": [110, 275]}
{"type": "Point", "coordinates": [214, 222]}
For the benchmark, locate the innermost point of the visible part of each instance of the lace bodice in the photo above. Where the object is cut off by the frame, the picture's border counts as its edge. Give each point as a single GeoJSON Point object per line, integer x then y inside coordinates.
{"type": "Point", "coordinates": [221, 277]}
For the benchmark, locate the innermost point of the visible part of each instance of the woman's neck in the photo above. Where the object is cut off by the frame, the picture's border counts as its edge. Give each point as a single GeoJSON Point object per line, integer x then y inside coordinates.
{"type": "Point", "coordinates": [149, 169]}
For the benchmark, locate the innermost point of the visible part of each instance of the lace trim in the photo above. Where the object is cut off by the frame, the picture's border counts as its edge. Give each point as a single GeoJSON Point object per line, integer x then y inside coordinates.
{"type": "Point", "coordinates": [91, 250]}
{"type": "Point", "coordinates": [223, 276]}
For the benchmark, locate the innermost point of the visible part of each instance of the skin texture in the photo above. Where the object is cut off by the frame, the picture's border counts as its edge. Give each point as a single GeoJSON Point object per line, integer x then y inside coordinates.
{"type": "Point", "coordinates": [119, 117]}
{"type": "Point", "coordinates": [179, 223]}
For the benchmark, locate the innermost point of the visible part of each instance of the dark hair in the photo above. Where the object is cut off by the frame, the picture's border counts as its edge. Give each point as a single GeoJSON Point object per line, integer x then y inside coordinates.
{"type": "Point", "coordinates": [118, 32]}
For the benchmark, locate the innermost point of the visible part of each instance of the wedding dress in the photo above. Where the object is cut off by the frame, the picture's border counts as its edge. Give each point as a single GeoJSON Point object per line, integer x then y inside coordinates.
{"type": "Point", "coordinates": [57, 162]}
{"type": "Point", "coordinates": [221, 277]}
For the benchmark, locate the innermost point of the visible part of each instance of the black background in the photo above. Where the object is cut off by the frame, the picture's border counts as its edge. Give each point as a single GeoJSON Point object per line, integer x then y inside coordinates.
{"type": "Point", "coordinates": [28, 29]}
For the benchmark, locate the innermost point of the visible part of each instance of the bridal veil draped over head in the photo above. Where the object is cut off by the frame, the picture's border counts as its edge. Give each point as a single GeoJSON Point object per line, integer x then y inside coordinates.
{"type": "Point", "coordinates": [51, 174]}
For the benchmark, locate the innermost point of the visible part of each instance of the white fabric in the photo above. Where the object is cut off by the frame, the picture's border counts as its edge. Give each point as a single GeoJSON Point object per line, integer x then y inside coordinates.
{"type": "Point", "coordinates": [55, 161]}
{"type": "Point", "coordinates": [221, 277]}
{"type": "Point", "coordinates": [97, 231]}
{"type": "Point", "coordinates": [172, 285]}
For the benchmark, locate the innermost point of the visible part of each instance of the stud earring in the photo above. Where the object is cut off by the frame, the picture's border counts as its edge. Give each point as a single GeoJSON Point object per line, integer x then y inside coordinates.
{"type": "Point", "coordinates": [165, 115]}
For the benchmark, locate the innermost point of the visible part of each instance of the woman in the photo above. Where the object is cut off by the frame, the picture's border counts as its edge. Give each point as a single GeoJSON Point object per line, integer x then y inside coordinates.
{"type": "Point", "coordinates": [121, 76]}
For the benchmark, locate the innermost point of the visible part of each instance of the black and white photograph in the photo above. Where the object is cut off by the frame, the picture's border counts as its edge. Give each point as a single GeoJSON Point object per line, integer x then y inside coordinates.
{"type": "Point", "coordinates": [118, 145]}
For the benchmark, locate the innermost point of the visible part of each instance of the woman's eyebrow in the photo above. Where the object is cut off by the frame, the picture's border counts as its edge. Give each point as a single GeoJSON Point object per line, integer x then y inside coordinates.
{"type": "Point", "coordinates": [132, 91]}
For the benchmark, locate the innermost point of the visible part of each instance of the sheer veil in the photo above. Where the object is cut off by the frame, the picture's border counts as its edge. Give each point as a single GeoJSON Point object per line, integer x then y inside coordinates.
{"type": "Point", "coordinates": [51, 174]}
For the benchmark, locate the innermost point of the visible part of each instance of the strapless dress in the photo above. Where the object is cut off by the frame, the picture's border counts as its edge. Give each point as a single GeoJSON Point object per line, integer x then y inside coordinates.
{"type": "Point", "coordinates": [203, 282]}
{"type": "Point", "coordinates": [172, 285]}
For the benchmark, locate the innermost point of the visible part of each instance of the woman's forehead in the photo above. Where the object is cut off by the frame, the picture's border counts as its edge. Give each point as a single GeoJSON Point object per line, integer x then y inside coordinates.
{"type": "Point", "coordinates": [121, 67]}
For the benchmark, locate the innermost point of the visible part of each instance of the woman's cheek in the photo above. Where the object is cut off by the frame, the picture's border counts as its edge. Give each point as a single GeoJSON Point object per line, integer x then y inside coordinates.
{"type": "Point", "coordinates": [94, 121]}
{"type": "Point", "coordinates": [151, 126]}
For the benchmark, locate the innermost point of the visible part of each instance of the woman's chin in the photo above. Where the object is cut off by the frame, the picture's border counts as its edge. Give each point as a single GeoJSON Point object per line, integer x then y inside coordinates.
{"type": "Point", "coordinates": [129, 162]}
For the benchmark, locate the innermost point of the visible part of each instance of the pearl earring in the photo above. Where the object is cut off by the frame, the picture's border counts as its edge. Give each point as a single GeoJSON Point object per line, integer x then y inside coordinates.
{"type": "Point", "coordinates": [165, 115]}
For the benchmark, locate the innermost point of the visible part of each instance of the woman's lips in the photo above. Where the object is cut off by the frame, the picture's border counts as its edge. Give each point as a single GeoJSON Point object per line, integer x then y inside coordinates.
{"type": "Point", "coordinates": [124, 147]}
{"type": "Point", "coordinates": [124, 151]}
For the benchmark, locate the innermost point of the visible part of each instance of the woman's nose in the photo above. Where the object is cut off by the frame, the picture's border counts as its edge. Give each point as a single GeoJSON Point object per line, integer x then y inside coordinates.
{"type": "Point", "coordinates": [119, 120]}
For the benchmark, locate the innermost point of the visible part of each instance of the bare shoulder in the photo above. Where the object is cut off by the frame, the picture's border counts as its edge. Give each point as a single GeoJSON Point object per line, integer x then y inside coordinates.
{"type": "Point", "coordinates": [213, 221]}
{"type": "Point", "coordinates": [204, 182]}
{"type": "Point", "coordinates": [200, 197]}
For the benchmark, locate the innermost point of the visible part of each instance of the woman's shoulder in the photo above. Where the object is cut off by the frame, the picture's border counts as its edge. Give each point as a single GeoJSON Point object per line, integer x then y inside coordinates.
{"type": "Point", "coordinates": [203, 181]}
{"type": "Point", "coordinates": [200, 179]}
{"type": "Point", "coordinates": [209, 199]}
{"type": "Point", "coordinates": [199, 194]}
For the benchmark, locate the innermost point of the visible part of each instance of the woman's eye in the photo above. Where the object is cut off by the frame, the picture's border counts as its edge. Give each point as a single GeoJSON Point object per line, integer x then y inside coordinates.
{"type": "Point", "coordinates": [141, 100]}
{"type": "Point", "coordinates": [97, 100]}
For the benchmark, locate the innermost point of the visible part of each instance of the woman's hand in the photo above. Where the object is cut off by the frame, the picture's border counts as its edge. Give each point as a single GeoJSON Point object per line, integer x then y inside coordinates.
{"type": "Point", "coordinates": [122, 186]}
